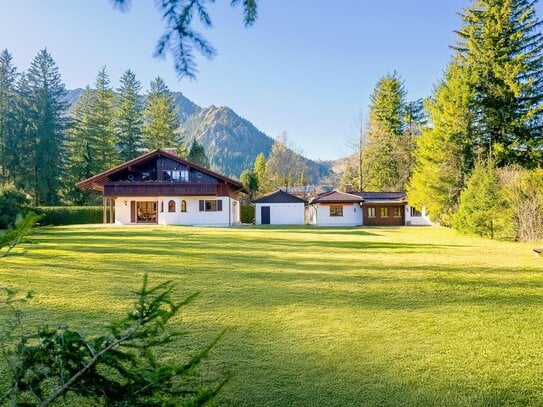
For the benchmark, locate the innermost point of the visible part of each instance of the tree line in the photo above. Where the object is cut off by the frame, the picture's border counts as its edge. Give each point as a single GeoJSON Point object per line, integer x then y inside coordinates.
{"type": "Point", "coordinates": [471, 153]}
{"type": "Point", "coordinates": [45, 150]}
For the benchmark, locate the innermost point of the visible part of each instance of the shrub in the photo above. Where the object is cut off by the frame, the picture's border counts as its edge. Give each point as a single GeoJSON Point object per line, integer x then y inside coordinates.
{"type": "Point", "coordinates": [69, 215]}
{"type": "Point", "coordinates": [483, 209]}
{"type": "Point", "coordinates": [17, 233]}
{"type": "Point", "coordinates": [247, 214]}
{"type": "Point", "coordinates": [12, 202]}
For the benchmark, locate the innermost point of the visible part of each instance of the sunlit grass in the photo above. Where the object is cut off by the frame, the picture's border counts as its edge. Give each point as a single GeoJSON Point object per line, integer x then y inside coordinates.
{"type": "Point", "coordinates": [372, 316]}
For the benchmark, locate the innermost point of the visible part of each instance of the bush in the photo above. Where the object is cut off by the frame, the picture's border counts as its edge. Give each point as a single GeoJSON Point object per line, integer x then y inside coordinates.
{"type": "Point", "coordinates": [12, 202]}
{"type": "Point", "coordinates": [483, 209]}
{"type": "Point", "coordinates": [247, 213]}
{"type": "Point", "coordinates": [69, 215]}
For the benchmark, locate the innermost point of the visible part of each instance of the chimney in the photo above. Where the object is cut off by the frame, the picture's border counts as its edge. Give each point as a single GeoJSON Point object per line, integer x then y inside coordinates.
{"type": "Point", "coordinates": [349, 188]}
{"type": "Point", "coordinates": [171, 150]}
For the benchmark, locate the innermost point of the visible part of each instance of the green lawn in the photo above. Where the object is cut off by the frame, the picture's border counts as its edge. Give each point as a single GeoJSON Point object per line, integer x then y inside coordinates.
{"type": "Point", "coordinates": [317, 317]}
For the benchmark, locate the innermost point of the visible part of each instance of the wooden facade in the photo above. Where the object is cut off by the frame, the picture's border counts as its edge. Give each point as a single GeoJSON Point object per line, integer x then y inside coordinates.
{"type": "Point", "coordinates": [384, 214]}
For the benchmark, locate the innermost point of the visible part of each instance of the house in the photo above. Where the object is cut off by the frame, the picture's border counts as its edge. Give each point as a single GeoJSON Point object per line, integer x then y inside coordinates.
{"type": "Point", "coordinates": [162, 188]}
{"type": "Point", "coordinates": [280, 208]}
{"type": "Point", "coordinates": [365, 208]}
{"type": "Point", "coordinates": [336, 209]}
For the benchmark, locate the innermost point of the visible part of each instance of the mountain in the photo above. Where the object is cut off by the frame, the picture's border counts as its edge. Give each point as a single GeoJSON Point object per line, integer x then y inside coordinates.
{"type": "Point", "coordinates": [231, 142]}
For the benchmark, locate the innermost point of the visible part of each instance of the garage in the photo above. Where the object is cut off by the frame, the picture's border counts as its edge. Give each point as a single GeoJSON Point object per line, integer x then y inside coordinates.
{"type": "Point", "coordinates": [280, 208]}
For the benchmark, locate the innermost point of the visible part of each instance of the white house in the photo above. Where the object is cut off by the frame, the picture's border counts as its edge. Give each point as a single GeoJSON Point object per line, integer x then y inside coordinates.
{"type": "Point", "coordinates": [163, 188]}
{"type": "Point", "coordinates": [280, 208]}
{"type": "Point", "coordinates": [365, 208]}
{"type": "Point", "coordinates": [335, 209]}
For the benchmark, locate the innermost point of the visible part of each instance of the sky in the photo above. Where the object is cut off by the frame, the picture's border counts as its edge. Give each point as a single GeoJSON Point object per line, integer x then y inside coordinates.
{"type": "Point", "coordinates": [306, 67]}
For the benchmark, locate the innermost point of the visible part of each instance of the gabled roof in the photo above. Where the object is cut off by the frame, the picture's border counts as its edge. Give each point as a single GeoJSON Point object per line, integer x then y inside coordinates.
{"type": "Point", "coordinates": [100, 179]}
{"type": "Point", "coordinates": [336, 197]}
{"type": "Point", "coordinates": [378, 197]}
{"type": "Point", "coordinates": [280, 196]}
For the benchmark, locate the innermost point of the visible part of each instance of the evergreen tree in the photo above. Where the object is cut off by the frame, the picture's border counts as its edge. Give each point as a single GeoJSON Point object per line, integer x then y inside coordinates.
{"type": "Point", "coordinates": [198, 155]}
{"type": "Point", "coordinates": [81, 149]}
{"type": "Point", "coordinates": [443, 156]}
{"type": "Point", "coordinates": [129, 117]}
{"type": "Point", "coordinates": [483, 208]}
{"type": "Point", "coordinates": [8, 96]}
{"type": "Point", "coordinates": [388, 105]}
{"type": "Point", "coordinates": [101, 125]}
{"type": "Point", "coordinates": [386, 154]}
{"type": "Point", "coordinates": [161, 123]}
{"type": "Point", "coordinates": [47, 107]}
{"type": "Point", "coordinates": [250, 180]}
{"type": "Point", "coordinates": [502, 44]}
{"type": "Point", "coordinates": [259, 170]}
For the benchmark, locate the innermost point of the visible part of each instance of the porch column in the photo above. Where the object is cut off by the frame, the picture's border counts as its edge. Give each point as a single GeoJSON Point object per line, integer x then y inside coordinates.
{"type": "Point", "coordinates": [111, 210]}
{"type": "Point", "coordinates": [104, 212]}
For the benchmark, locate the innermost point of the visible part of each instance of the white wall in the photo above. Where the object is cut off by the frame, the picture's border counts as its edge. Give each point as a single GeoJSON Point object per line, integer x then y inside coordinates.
{"type": "Point", "coordinates": [320, 215]}
{"type": "Point", "coordinates": [282, 213]}
{"type": "Point", "coordinates": [423, 220]}
{"type": "Point", "coordinates": [193, 216]}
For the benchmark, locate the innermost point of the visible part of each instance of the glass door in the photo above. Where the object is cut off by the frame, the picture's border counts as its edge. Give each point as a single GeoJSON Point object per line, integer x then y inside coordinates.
{"type": "Point", "coordinates": [146, 212]}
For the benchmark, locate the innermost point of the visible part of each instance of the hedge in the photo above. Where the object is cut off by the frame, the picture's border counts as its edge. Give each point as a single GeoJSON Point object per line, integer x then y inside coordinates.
{"type": "Point", "coordinates": [69, 215]}
{"type": "Point", "coordinates": [247, 214]}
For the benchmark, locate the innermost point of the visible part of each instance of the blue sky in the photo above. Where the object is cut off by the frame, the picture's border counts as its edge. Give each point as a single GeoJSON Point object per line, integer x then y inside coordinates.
{"type": "Point", "coordinates": [306, 67]}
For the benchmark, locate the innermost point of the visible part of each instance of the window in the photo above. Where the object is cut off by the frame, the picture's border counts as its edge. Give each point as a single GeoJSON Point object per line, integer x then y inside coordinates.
{"type": "Point", "coordinates": [384, 212]}
{"type": "Point", "coordinates": [397, 211]}
{"type": "Point", "coordinates": [176, 175]}
{"type": "Point", "coordinates": [183, 206]}
{"type": "Point", "coordinates": [171, 206]}
{"type": "Point", "coordinates": [336, 210]}
{"type": "Point", "coordinates": [161, 206]}
{"type": "Point", "coordinates": [145, 176]}
{"type": "Point", "coordinates": [371, 212]}
{"type": "Point", "coordinates": [211, 205]}
{"type": "Point", "coordinates": [415, 213]}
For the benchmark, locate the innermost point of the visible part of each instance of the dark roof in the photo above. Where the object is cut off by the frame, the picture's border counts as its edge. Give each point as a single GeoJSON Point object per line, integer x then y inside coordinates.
{"type": "Point", "coordinates": [397, 196]}
{"type": "Point", "coordinates": [280, 196]}
{"type": "Point", "coordinates": [103, 177]}
{"type": "Point", "coordinates": [336, 197]}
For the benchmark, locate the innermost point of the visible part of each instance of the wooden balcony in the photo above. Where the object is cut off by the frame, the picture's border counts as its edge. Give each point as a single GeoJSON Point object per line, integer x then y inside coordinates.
{"type": "Point", "coordinates": [156, 188]}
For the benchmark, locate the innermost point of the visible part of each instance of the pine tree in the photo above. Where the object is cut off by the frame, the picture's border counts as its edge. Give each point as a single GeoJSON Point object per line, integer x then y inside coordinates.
{"type": "Point", "coordinates": [47, 107]}
{"type": "Point", "coordinates": [161, 123]}
{"type": "Point", "coordinates": [81, 149]}
{"type": "Point", "coordinates": [483, 208]}
{"type": "Point", "coordinates": [198, 155]}
{"type": "Point", "coordinates": [8, 97]}
{"type": "Point", "coordinates": [129, 118]}
{"type": "Point", "coordinates": [387, 104]}
{"type": "Point", "coordinates": [250, 180]}
{"type": "Point", "coordinates": [387, 149]}
{"type": "Point", "coordinates": [22, 141]}
{"type": "Point", "coordinates": [101, 125]}
{"type": "Point", "coordinates": [444, 156]}
{"type": "Point", "coordinates": [502, 44]}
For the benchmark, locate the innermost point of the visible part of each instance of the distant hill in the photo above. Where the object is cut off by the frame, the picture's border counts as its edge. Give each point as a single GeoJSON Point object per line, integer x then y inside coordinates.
{"type": "Point", "coordinates": [231, 142]}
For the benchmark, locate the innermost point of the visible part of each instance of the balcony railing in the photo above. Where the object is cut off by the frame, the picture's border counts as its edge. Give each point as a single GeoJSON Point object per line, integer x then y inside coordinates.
{"type": "Point", "coordinates": [155, 188]}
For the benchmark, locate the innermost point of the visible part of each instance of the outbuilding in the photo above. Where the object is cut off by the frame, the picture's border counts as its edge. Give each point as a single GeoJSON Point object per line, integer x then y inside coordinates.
{"type": "Point", "coordinates": [280, 208]}
{"type": "Point", "coordinates": [336, 208]}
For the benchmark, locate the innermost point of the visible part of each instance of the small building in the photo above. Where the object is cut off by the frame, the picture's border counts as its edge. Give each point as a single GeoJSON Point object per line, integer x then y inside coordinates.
{"type": "Point", "coordinates": [162, 188]}
{"type": "Point", "coordinates": [336, 209]}
{"type": "Point", "coordinates": [383, 208]}
{"type": "Point", "coordinates": [280, 208]}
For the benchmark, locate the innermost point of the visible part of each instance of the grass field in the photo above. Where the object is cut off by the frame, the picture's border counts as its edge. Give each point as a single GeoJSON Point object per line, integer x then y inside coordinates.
{"type": "Point", "coordinates": [317, 317]}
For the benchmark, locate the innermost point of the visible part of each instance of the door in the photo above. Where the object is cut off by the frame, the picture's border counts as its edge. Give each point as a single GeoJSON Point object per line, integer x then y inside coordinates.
{"type": "Point", "coordinates": [146, 212]}
{"type": "Point", "coordinates": [265, 215]}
